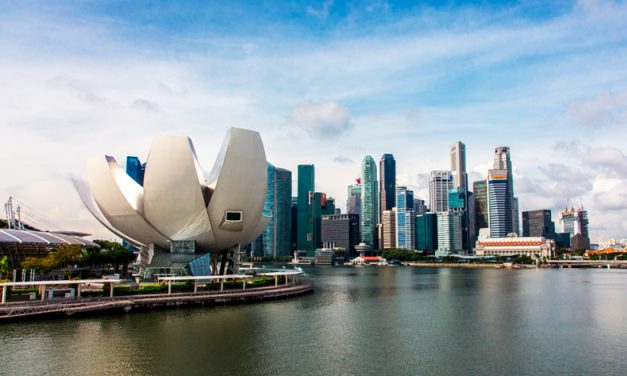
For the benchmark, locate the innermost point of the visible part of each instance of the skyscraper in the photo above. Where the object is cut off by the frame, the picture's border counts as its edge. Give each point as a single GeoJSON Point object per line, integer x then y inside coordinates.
{"type": "Point", "coordinates": [276, 237]}
{"type": "Point", "coordinates": [440, 182]}
{"type": "Point", "coordinates": [135, 169]}
{"type": "Point", "coordinates": [353, 202]}
{"type": "Point", "coordinates": [575, 222]}
{"type": "Point", "coordinates": [458, 166]}
{"type": "Point", "coordinates": [449, 233]}
{"type": "Point", "coordinates": [387, 183]}
{"type": "Point", "coordinates": [369, 202]}
{"type": "Point", "coordinates": [503, 161]}
{"type": "Point", "coordinates": [480, 194]}
{"type": "Point", "coordinates": [460, 185]}
{"type": "Point", "coordinates": [427, 232]}
{"type": "Point", "coordinates": [499, 204]}
{"type": "Point", "coordinates": [306, 189]}
{"type": "Point", "coordinates": [538, 223]}
{"type": "Point", "coordinates": [420, 206]}
{"type": "Point", "coordinates": [405, 219]}
{"type": "Point", "coordinates": [340, 232]}
{"type": "Point", "coordinates": [388, 232]}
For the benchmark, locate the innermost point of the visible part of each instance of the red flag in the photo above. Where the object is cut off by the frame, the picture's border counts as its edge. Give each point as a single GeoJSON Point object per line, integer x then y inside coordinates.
{"type": "Point", "coordinates": [358, 180]}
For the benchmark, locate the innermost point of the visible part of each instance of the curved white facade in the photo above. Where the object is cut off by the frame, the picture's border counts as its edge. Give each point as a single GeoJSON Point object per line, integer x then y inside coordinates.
{"type": "Point", "coordinates": [176, 202]}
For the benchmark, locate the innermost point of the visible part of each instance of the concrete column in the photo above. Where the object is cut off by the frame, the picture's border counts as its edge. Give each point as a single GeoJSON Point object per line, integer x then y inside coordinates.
{"type": "Point", "coordinates": [244, 284]}
{"type": "Point", "coordinates": [4, 294]}
{"type": "Point", "coordinates": [195, 288]}
{"type": "Point", "coordinates": [169, 287]}
{"type": "Point", "coordinates": [221, 284]}
{"type": "Point", "coordinates": [276, 281]}
{"type": "Point", "coordinates": [287, 278]}
{"type": "Point", "coordinates": [43, 293]}
{"type": "Point", "coordinates": [78, 291]}
{"type": "Point", "coordinates": [111, 290]}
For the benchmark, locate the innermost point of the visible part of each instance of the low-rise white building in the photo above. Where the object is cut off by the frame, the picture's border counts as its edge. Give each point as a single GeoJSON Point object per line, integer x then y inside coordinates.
{"type": "Point", "coordinates": [535, 247]}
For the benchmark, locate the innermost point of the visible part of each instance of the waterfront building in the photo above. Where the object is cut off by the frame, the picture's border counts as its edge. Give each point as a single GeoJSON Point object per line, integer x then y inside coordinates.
{"type": "Point", "coordinates": [388, 229]}
{"type": "Point", "coordinates": [178, 215]}
{"type": "Point", "coordinates": [538, 223]}
{"type": "Point", "coordinates": [575, 222]}
{"type": "Point", "coordinates": [135, 169]}
{"type": "Point", "coordinates": [440, 182]}
{"type": "Point", "coordinates": [562, 240]}
{"type": "Point", "coordinates": [458, 166]}
{"type": "Point", "coordinates": [276, 236]}
{"type": "Point", "coordinates": [306, 223]}
{"type": "Point", "coordinates": [387, 184]}
{"type": "Point", "coordinates": [369, 202]}
{"type": "Point", "coordinates": [405, 219]}
{"type": "Point", "coordinates": [480, 199]}
{"type": "Point", "coordinates": [515, 216]}
{"type": "Point", "coordinates": [499, 201]}
{"type": "Point", "coordinates": [503, 161]}
{"type": "Point", "coordinates": [449, 233]}
{"type": "Point", "coordinates": [457, 202]}
{"type": "Point", "coordinates": [534, 247]}
{"type": "Point", "coordinates": [340, 232]}
{"type": "Point", "coordinates": [427, 232]}
{"type": "Point", "coordinates": [294, 227]}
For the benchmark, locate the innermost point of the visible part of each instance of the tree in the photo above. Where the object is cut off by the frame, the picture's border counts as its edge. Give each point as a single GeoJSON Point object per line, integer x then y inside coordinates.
{"type": "Point", "coordinates": [4, 266]}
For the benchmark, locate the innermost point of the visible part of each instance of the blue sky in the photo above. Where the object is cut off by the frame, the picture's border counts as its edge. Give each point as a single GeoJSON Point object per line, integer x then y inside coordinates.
{"type": "Point", "coordinates": [325, 82]}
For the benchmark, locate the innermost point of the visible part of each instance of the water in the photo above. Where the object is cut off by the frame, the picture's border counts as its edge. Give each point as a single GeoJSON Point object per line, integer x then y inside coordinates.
{"type": "Point", "coordinates": [362, 321]}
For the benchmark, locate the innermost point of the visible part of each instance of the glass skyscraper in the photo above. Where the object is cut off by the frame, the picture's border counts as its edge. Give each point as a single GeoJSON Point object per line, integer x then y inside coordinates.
{"type": "Point", "coordinates": [440, 182]}
{"type": "Point", "coordinates": [369, 202]}
{"type": "Point", "coordinates": [499, 204]}
{"type": "Point", "coordinates": [387, 183]}
{"type": "Point", "coordinates": [427, 232]}
{"type": "Point", "coordinates": [405, 219]}
{"type": "Point", "coordinates": [276, 237]}
{"type": "Point", "coordinates": [306, 188]}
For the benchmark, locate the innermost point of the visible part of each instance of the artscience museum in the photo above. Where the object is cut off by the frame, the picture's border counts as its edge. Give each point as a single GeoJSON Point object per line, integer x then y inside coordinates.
{"type": "Point", "coordinates": [182, 221]}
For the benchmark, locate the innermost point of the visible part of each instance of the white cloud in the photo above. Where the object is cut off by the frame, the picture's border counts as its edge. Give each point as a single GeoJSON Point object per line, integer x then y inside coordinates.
{"type": "Point", "coordinates": [323, 120]}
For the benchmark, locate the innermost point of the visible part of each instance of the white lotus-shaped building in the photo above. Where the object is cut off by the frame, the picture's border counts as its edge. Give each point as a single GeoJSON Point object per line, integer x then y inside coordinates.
{"type": "Point", "coordinates": [178, 210]}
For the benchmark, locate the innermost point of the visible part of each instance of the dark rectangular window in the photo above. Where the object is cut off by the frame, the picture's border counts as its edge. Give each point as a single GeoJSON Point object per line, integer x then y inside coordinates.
{"type": "Point", "coordinates": [233, 216]}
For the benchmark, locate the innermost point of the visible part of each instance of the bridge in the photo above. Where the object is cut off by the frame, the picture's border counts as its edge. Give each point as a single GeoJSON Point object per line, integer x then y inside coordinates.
{"type": "Point", "coordinates": [588, 263]}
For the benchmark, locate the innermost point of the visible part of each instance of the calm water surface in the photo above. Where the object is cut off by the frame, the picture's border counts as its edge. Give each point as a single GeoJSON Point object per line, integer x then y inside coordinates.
{"type": "Point", "coordinates": [366, 321]}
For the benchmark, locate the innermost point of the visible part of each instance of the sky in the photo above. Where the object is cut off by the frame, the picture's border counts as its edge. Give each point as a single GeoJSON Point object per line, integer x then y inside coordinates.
{"type": "Point", "coordinates": [325, 83]}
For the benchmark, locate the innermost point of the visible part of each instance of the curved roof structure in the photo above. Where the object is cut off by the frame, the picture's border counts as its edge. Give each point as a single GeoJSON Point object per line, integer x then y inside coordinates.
{"type": "Point", "coordinates": [176, 201]}
{"type": "Point", "coordinates": [13, 236]}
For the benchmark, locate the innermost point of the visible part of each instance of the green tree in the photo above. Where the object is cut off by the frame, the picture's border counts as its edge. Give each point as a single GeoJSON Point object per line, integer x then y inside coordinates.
{"type": "Point", "coordinates": [4, 266]}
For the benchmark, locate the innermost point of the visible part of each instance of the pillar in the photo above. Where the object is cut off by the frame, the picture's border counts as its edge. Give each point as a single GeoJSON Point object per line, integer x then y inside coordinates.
{"type": "Point", "coordinates": [111, 290]}
{"type": "Point", "coordinates": [4, 294]}
{"type": "Point", "coordinates": [169, 287]}
{"type": "Point", "coordinates": [221, 284]}
{"type": "Point", "coordinates": [276, 281]}
{"type": "Point", "coordinates": [244, 284]}
{"type": "Point", "coordinates": [78, 291]}
{"type": "Point", "coordinates": [43, 292]}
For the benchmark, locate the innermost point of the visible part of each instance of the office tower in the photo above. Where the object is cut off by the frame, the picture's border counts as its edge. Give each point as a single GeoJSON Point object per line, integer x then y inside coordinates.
{"type": "Point", "coordinates": [440, 182]}
{"type": "Point", "coordinates": [306, 189]}
{"type": "Point", "coordinates": [460, 184]}
{"type": "Point", "coordinates": [353, 202]}
{"type": "Point", "coordinates": [405, 219]}
{"type": "Point", "coordinates": [276, 236]}
{"type": "Point", "coordinates": [340, 232]}
{"type": "Point", "coordinates": [327, 205]}
{"type": "Point", "coordinates": [538, 223]}
{"type": "Point", "coordinates": [388, 230]}
{"type": "Point", "coordinates": [420, 206]}
{"type": "Point", "coordinates": [449, 233]}
{"type": "Point", "coordinates": [499, 204]}
{"type": "Point", "coordinates": [458, 166]}
{"type": "Point", "coordinates": [480, 195]}
{"type": "Point", "coordinates": [457, 202]}
{"type": "Point", "coordinates": [294, 228]}
{"type": "Point", "coordinates": [387, 183]}
{"type": "Point", "coordinates": [427, 232]}
{"type": "Point", "coordinates": [369, 202]}
{"type": "Point", "coordinates": [135, 169]}
{"type": "Point", "coordinates": [515, 216]}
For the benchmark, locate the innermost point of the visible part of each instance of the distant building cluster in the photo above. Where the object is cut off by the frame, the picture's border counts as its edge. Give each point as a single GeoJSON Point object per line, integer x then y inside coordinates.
{"type": "Point", "coordinates": [457, 217]}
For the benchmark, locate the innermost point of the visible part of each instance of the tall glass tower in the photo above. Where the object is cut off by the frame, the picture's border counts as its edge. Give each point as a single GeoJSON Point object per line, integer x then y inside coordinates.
{"type": "Point", "coordinates": [276, 237]}
{"type": "Point", "coordinates": [405, 219]}
{"type": "Point", "coordinates": [499, 203]}
{"type": "Point", "coordinates": [440, 182]}
{"type": "Point", "coordinates": [306, 188]}
{"type": "Point", "coordinates": [369, 197]}
{"type": "Point", "coordinates": [387, 184]}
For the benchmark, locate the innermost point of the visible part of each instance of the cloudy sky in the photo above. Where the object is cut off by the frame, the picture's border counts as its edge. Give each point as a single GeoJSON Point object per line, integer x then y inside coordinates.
{"type": "Point", "coordinates": [325, 82]}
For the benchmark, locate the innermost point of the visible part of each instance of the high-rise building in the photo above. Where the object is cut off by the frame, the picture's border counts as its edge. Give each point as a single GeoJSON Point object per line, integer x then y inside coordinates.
{"type": "Point", "coordinates": [388, 230]}
{"type": "Point", "coordinates": [420, 206]}
{"type": "Point", "coordinates": [538, 223]}
{"type": "Point", "coordinates": [276, 241]}
{"type": "Point", "coordinates": [449, 233]}
{"type": "Point", "coordinates": [294, 228]}
{"type": "Point", "coordinates": [440, 182]}
{"type": "Point", "coordinates": [515, 216]}
{"type": "Point", "coordinates": [427, 232]}
{"type": "Point", "coordinates": [405, 219]}
{"type": "Point", "coordinates": [135, 169]}
{"type": "Point", "coordinates": [353, 202]}
{"type": "Point", "coordinates": [369, 202]}
{"type": "Point", "coordinates": [306, 222]}
{"type": "Point", "coordinates": [387, 183]}
{"type": "Point", "coordinates": [575, 222]}
{"type": "Point", "coordinates": [499, 204]}
{"type": "Point", "coordinates": [457, 202]}
{"type": "Point", "coordinates": [340, 232]}
{"type": "Point", "coordinates": [458, 166]}
{"type": "Point", "coordinates": [480, 195]}
{"type": "Point", "coordinates": [503, 161]}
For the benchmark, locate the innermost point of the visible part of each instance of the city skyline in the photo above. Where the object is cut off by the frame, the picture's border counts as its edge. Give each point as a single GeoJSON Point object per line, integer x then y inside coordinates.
{"type": "Point", "coordinates": [325, 84]}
